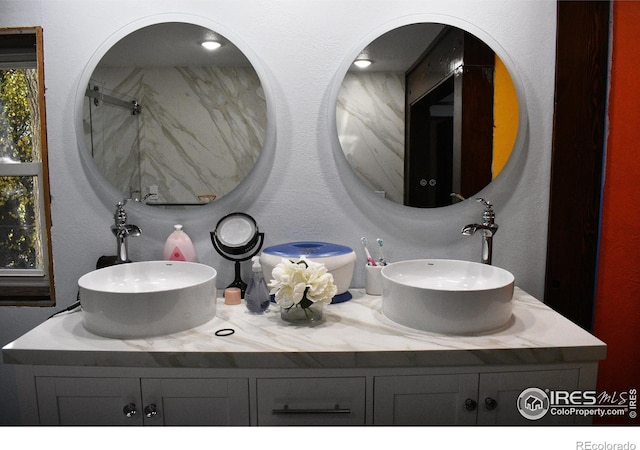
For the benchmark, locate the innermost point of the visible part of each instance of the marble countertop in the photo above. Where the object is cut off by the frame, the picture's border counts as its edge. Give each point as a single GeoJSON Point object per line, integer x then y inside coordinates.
{"type": "Point", "coordinates": [352, 334]}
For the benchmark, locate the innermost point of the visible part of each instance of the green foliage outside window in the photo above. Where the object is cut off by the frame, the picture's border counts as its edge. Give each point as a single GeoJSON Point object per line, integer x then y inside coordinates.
{"type": "Point", "coordinates": [18, 215]}
{"type": "Point", "coordinates": [15, 139]}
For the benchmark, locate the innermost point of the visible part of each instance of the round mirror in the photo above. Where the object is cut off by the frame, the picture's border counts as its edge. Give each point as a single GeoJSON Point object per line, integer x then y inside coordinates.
{"type": "Point", "coordinates": [427, 110]}
{"type": "Point", "coordinates": [174, 115]}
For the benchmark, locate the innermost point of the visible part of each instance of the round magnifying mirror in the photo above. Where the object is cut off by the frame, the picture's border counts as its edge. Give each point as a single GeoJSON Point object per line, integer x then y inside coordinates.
{"type": "Point", "coordinates": [236, 234]}
{"type": "Point", "coordinates": [435, 111]}
{"type": "Point", "coordinates": [237, 238]}
{"type": "Point", "coordinates": [172, 121]}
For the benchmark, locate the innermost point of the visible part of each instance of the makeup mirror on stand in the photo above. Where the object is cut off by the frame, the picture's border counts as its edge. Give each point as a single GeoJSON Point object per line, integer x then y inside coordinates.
{"type": "Point", "coordinates": [237, 239]}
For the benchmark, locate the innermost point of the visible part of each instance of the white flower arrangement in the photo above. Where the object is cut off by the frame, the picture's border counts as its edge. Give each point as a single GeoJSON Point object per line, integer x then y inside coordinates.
{"type": "Point", "coordinates": [301, 283]}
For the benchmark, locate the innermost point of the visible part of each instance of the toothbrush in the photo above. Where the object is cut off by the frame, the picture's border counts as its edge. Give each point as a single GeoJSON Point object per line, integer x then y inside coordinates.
{"type": "Point", "coordinates": [370, 260]}
{"type": "Point", "coordinates": [383, 261]}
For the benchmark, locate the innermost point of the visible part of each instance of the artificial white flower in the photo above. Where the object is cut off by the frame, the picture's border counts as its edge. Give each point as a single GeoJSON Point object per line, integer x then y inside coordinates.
{"type": "Point", "coordinates": [301, 283]}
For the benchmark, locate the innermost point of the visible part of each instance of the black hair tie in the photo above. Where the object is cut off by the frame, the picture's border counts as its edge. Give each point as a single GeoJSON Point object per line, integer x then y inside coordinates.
{"type": "Point", "coordinates": [225, 332]}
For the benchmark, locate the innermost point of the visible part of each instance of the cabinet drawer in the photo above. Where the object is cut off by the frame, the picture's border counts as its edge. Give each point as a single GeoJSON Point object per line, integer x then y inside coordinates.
{"type": "Point", "coordinates": [311, 401]}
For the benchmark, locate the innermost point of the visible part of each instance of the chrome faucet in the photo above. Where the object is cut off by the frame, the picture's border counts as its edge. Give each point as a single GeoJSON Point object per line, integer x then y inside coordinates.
{"type": "Point", "coordinates": [122, 230]}
{"type": "Point", "coordinates": [488, 227]}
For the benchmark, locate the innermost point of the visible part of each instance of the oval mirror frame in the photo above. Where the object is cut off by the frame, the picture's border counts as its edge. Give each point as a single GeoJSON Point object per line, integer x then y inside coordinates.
{"type": "Point", "coordinates": [359, 51]}
{"type": "Point", "coordinates": [106, 191]}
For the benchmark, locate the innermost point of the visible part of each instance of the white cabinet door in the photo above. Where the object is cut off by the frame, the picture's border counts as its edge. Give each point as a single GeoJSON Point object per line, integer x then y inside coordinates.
{"type": "Point", "coordinates": [466, 399]}
{"type": "Point", "coordinates": [195, 401]}
{"type": "Point", "coordinates": [311, 401]}
{"type": "Point", "coordinates": [89, 401]}
{"type": "Point", "coordinates": [498, 395]}
{"type": "Point", "coordinates": [135, 401]}
{"type": "Point", "coordinates": [448, 399]}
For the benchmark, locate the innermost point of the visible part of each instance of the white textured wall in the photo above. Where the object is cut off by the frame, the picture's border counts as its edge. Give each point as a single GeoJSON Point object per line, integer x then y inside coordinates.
{"type": "Point", "coordinates": [301, 187]}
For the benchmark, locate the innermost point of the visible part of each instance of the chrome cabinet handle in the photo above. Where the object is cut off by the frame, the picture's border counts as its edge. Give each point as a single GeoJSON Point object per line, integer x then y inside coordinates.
{"type": "Point", "coordinates": [490, 403]}
{"type": "Point", "coordinates": [336, 410]}
{"type": "Point", "coordinates": [150, 411]}
{"type": "Point", "coordinates": [130, 410]}
{"type": "Point", "coordinates": [470, 404]}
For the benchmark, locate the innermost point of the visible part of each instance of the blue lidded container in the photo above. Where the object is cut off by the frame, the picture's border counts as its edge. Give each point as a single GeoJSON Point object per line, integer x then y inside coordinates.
{"type": "Point", "coordinates": [338, 259]}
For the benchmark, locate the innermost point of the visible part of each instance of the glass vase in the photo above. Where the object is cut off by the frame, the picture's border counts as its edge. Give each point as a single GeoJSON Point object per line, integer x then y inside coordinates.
{"type": "Point", "coordinates": [299, 315]}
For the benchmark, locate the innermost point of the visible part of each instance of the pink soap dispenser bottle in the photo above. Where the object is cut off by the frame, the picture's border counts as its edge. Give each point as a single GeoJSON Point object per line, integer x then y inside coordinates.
{"type": "Point", "coordinates": [179, 246]}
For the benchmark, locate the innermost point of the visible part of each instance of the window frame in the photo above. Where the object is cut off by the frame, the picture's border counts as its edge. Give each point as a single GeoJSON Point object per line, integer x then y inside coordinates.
{"type": "Point", "coordinates": [33, 287]}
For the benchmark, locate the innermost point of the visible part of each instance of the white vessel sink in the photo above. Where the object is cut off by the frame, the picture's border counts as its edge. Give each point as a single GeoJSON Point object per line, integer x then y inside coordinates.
{"type": "Point", "coordinates": [144, 299]}
{"type": "Point", "coordinates": [447, 296]}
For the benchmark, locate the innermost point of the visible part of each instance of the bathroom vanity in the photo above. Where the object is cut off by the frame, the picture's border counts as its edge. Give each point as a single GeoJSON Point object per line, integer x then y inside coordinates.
{"type": "Point", "coordinates": [355, 367]}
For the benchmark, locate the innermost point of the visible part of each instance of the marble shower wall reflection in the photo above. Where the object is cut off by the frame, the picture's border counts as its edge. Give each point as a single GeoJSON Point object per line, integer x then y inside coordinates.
{"type": "Point", "coordinates": [370, 122]}
{"type": "Point", "coordinates": [200, 131]}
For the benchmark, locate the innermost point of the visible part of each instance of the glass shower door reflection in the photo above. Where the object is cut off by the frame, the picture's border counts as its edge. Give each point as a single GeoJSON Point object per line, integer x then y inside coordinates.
{"type": "Point", "coordinates": [112, 130]}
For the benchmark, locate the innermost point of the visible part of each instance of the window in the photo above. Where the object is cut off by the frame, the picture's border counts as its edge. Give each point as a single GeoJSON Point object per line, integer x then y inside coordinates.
{"type": "Point", "coordinates": [26, 266]}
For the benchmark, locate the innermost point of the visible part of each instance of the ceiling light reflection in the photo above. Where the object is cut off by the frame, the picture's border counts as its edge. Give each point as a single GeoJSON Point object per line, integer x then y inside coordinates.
{"type": "Point", "coordinates": [362, 63]}
{"type": "Point", "coordinates": [211, 45]}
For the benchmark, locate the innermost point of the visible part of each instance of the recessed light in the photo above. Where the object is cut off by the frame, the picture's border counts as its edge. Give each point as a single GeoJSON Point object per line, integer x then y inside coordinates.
{"type": "Point", "coordinates": [211, 45]}
{"type": "Point", "coordinates": [362, 63]}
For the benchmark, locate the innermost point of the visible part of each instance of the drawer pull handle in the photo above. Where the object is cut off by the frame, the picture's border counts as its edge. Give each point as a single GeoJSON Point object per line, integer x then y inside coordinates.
{"type": "Point", "coordinates": [335, 410]}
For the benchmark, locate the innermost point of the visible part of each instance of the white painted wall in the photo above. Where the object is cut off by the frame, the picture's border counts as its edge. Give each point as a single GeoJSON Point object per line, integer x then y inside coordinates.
{"type": "Point", "coordinates": [301, 187]}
